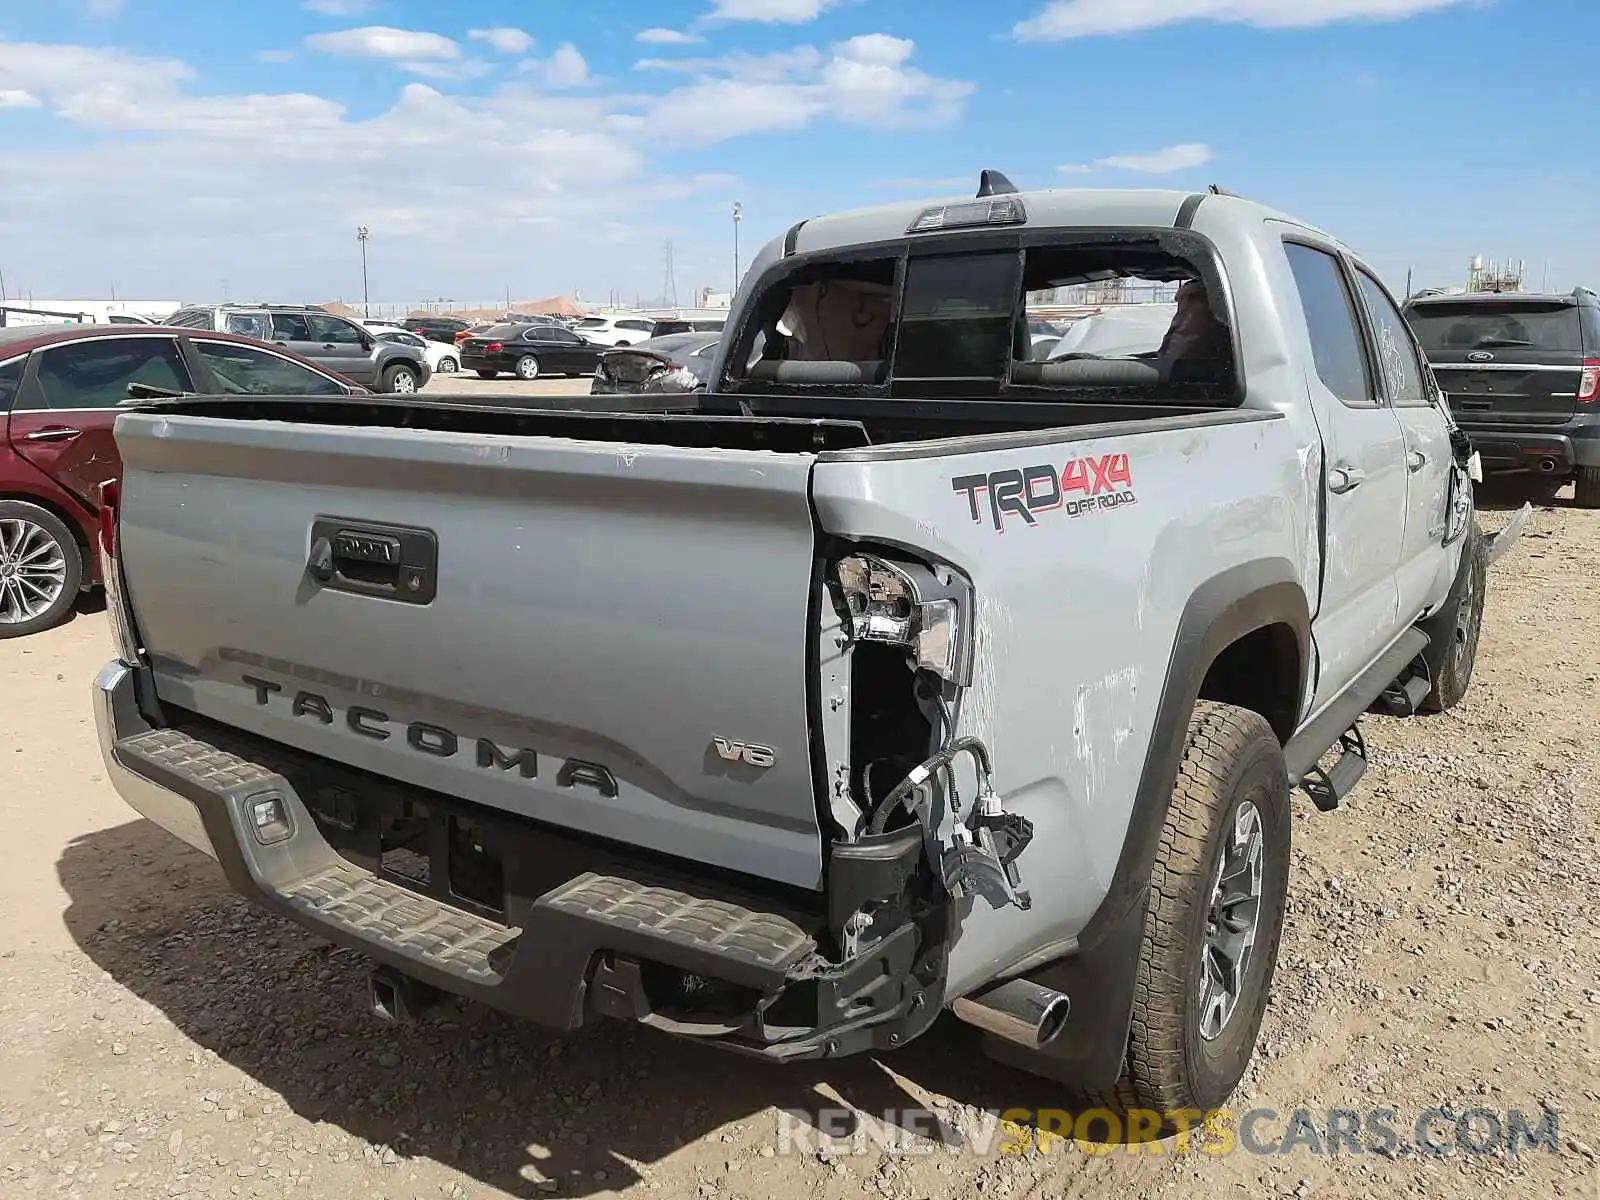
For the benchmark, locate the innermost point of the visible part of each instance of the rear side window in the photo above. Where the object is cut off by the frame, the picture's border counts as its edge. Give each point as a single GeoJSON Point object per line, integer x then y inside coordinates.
{"type": "Point", "coordinates": [96, 374]}
{"type": "Point", "coordinates": [246, 371]}
{"type": "Point", "coordinates": [1331, 324]}
{"type": "Point", "coordinates": [1591, 333]}
{"type": "Point", "coordinates": [290, 327]}
{"type": "Point", "coordinates": [1447, 330]}
{"type": "Point", "coordinates": [10, 380]}
{"type": "Point", "coordinates": [334, 331]}
{"type": "Point", "coordinates": [255, 325]}
{"type": "Point", "coordinates": [1397, 355]}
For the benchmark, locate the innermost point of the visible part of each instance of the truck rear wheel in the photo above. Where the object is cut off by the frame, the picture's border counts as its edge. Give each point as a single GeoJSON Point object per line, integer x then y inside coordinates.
{"type": "Point", "coordinates": [1454, 630]}
{"type": "Point", "coordinates": [1213, 919]}
{"type": "Point", "coordinates": [1588, 487]}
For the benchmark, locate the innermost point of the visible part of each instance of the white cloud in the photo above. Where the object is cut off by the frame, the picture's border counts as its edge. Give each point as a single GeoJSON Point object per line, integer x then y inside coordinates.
{"type": "Point", "coordinates": [17, 98]}
{"type": "Point", "coordinates": [865, 81]}
{"type": "Point", "coordinates": [274, 56]}
{"type": "Point", "coordinates": [506, 41]}
{"type": "Point", "coordinates": [1183, 157]}
{"type": "Point", "coordinates": [1060, 20]}
{"type": "Point", "coordinates": [381, 41]}
{"type": "Point", "coordinates": [341, 8]}
{"type": "Point", "coordinates": [666, 37]}
{"type": "Point", "coordinates": [566, 68]}
{"type": "Point", "coordinates": [172, 180]}
{"type": "Point", "coordinates": [784, 12]}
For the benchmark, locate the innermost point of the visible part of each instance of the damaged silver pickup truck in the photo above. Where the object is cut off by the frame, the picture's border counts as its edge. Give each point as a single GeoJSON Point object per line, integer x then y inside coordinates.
{"type": "Point", "coordinates": [909, 667]}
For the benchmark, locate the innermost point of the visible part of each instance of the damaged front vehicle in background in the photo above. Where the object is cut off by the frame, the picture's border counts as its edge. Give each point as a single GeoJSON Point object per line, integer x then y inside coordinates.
{"type": "Point", "coordinates": [904, 668]}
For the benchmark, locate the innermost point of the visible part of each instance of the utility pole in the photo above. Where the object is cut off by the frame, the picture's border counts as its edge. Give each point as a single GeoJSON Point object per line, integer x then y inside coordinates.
{"type": "Point", "coordinates": [361, 236]}
{"type": "Point", "coordinates": [738, 211]}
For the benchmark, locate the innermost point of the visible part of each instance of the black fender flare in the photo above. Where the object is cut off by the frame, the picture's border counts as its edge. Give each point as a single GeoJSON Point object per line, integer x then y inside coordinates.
{"type": "Point", "coordinates": [1099, 974]}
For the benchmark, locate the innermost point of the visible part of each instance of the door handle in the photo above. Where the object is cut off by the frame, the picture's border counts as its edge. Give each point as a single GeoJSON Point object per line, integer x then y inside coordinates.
{"type": "Point", "coordinates": [54, 433]}
{"type": "Point", "coordinates": [1345, 479]}
{"type": "Point", "coordinates": [1415, 461]}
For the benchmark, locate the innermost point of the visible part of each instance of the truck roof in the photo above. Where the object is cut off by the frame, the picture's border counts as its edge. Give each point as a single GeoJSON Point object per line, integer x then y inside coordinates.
{"type": "Point", "coordinates": [1046, 208]}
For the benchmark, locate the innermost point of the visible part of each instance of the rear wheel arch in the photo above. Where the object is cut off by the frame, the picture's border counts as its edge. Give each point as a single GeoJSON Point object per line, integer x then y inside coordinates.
{"type": "Point", "coordinates": [1250, 610]}
{"type": "Point", "coordinates": [74, 525]}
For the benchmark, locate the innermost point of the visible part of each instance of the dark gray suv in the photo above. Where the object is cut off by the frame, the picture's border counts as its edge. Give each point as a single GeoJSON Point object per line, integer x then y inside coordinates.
{"type": "Point", "coordinates": [325, 338]}
{"type": "Point", "coordinates": [1522, 374]}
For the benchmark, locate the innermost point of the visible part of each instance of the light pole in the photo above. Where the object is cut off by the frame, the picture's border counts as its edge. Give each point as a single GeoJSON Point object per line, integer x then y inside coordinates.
{"type": "Point", "coordinates": [738, 209]}
{"type": "Point", "coordinates": [361, 236]}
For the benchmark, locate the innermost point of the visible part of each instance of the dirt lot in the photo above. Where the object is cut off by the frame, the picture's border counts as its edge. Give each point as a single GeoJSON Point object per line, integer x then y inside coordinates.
{"type": "Point", "coordinates": [161, 1038]}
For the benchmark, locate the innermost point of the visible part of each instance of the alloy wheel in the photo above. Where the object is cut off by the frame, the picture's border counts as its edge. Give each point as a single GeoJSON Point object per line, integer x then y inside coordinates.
{"type": "Point", "coordinates": [1231, 923]}
{"type": "Point", "coordinates": [33, 571]}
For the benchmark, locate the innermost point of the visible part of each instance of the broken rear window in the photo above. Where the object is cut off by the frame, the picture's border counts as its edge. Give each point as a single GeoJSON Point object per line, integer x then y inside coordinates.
{"type": "Point", "coordinates": [1142, 315]}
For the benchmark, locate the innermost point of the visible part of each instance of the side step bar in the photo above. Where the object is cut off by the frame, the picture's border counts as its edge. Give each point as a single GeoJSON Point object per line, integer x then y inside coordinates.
{"type": "Point", "coordinates": [1336, 725]}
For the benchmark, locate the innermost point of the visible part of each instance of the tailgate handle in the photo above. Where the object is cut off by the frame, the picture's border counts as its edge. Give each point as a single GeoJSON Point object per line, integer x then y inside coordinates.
{"type": "Point", "coordinates": [392, 562]}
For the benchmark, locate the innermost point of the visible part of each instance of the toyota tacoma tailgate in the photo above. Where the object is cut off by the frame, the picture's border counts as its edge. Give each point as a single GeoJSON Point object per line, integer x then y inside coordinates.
{"type": "Point", "coordinates": [604, 637]}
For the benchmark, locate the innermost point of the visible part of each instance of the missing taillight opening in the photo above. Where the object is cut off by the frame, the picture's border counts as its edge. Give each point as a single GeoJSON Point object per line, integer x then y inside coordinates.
{"type": "Point", "coordinates": [110, 499]}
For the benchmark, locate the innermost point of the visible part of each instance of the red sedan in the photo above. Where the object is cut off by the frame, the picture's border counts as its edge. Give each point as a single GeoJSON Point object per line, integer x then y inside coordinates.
{"type": "Point", "coordinates": [61, 387]}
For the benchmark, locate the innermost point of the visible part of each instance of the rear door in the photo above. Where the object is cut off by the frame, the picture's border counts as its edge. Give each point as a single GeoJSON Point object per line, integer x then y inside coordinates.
{"type": "Point", "coordinates": [1364, 472]}
{"type": "Point", "coordinates": [71, 393]}
{"type": "Point", "coordinates": [569, 351]}
{"type": "Point", "coordinates": [293, 332]}
{"type": "Point", "coordinates": [237, 370]}
{"type": "Point", "coordinates": [1508, 361]}
{"type": "Point", "coordinates": [343, 347]}
{"type": "Point", "coordinates": [1428, 450]}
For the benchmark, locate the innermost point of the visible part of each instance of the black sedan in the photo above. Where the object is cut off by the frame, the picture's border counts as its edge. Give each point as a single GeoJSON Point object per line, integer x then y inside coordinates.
{"type": "Point", "coordinates": [529, 351]}
{"type": "Point", "coordinates": [678, 362]}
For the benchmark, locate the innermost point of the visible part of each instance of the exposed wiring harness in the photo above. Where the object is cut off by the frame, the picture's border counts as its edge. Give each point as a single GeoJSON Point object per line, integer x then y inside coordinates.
{"type": "Point", "coordinates": [942, 761]}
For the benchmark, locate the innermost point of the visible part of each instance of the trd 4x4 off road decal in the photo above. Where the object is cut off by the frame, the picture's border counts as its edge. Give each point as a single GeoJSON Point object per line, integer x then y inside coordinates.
{"type": "Point", "coordinates": [1083, 486]}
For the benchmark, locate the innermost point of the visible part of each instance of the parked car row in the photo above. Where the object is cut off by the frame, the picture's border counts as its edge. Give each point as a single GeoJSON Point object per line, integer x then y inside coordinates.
{"type": "Point", "coordinates": [61, 388]}
{"type": "Point", "coordinates": [331, 341]}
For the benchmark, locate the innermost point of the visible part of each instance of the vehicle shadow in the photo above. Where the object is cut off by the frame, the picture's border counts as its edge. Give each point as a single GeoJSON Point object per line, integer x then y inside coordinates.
{"type": "Point", "coordinates": [499, 1100]}
{"type": "Point", "coordinates": [1507, 494]}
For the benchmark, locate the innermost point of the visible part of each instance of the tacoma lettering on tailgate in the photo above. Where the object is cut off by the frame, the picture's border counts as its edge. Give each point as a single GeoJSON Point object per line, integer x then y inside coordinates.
{"type": "Point", "coordinates": [1083, 486]}
{"type": "Point", "coordinates": [434, 740]}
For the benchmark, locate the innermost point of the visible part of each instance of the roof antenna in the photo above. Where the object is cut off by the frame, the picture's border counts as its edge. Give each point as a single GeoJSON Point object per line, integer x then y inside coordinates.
{"type": "Point", "coordinates": [1222, 191]}
{"type": "Point", "coordinates": [993, 183]}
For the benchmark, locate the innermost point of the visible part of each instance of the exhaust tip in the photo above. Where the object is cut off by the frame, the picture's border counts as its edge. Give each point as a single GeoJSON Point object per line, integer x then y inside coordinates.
{"type": "Point", "coordinates": [1547, 465]}
{"type": "Point", "coordinates": [1019, 1011]}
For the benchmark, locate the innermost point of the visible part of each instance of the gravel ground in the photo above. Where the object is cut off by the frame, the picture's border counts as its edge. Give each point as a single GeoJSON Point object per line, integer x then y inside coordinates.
{"type": "Point", "coordinates": [161, 1038]}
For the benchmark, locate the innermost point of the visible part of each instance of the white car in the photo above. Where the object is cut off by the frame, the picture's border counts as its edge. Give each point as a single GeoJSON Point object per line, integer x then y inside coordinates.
{"type": "Point", "coordinates": [442, 359]}
{"type": "Point", "coordinates": [616, 331]}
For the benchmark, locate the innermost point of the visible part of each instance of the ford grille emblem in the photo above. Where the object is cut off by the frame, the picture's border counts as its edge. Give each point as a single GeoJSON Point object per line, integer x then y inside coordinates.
{"type": "Point", "coordinates": [1480, 356]}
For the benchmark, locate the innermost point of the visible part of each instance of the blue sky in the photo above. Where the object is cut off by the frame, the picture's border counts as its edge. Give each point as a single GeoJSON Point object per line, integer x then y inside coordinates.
{"type": "Point", "coordinates": [176, 149]}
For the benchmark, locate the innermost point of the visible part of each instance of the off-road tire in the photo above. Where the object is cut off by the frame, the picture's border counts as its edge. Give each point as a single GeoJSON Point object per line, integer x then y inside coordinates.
{"type": "Point", "coordinates": [1453, 631]}
{"type": "Point", "coordinates": [1230, 756]}
{"type": "Point", "coordinates": [487, 374]}
{"type": "Point", "coordinates": [1588, 487]}
{"type": "Point", "coordinates": [71, 553]}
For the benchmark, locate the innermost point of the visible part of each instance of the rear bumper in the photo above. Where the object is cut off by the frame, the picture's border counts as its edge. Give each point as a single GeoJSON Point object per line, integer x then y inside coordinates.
{"type": "Point", "coordinates": [611, 935]}
{"type": "Point", "coordinates": [1555, 450]}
